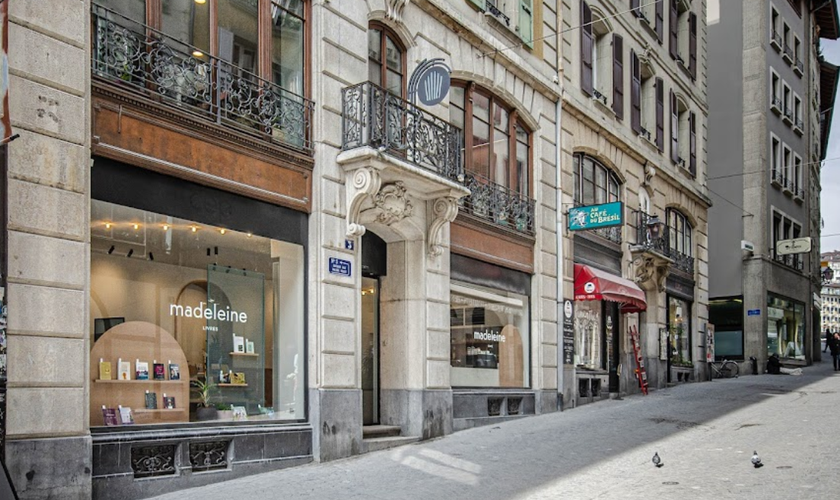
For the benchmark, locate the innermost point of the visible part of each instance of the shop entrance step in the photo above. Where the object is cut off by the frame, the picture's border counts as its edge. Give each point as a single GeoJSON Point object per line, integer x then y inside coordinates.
{"type": "Point", "coordinates": [380, 431]}
{"type": "Point", "coordinates": [383, 443]}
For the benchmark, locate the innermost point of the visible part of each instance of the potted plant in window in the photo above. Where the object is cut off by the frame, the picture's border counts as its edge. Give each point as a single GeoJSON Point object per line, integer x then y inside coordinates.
{"type": "Point", "coordinates": [225, 411]}
{"type": "Point", "coordinates": [205, 410]}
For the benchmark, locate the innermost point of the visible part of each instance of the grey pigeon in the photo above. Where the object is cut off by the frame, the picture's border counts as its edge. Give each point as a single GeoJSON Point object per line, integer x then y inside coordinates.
{"type": "Point", "coordinates": [756, 461]}
{"type": "Point", "coordinates": [656, 460]}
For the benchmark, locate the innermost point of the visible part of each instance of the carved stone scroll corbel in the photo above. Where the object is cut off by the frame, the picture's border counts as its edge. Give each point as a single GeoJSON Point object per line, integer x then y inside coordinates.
{"type": "Point", "coordinates": [395, 8]}
{"type": "Point", "coordinates": [445, 210]}
{"type": "Point", "coordinates": [366, 183]}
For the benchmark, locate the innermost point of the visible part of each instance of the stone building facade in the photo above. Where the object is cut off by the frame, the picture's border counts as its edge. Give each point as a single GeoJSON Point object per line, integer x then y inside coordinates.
{"type": "Point", "coordinates": [773, 103]}
{"type": "Point", "coordinates": [634, 130]}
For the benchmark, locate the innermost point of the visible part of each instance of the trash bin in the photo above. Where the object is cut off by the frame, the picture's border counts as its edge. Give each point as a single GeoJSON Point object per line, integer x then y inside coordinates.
{"type": "Point", "coordinates": [754, 365]}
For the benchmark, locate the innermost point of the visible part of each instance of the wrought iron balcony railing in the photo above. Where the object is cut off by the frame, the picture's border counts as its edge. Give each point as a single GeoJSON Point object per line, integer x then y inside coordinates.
{"type": "Point", "coordinates": [776, 104]}
{"type": "Point", "coordinates": [799, 67]}
{"type": "Point", "coordinates": [495, 12]}
{"type": "Point", "coordinates": [777, 177]}
{"type": "Point", "coordinates": [498, 204]}
{"type": "Point", "coordinates": [661, 244]}
{"type": "Point", "coordinates": [374, 117]}
{"type": "Point", "coordinates": [136, 57]}
{"type": "Point", "coordinates": [787, 53]}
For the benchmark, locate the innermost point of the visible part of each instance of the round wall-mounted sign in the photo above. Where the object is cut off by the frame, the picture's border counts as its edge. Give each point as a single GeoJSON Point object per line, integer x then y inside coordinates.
{"type": "Point", "coordinates": [433, 85]}
{"type": "Point", "coordinates": [589, 287]}
{"type": "Point", "coordinates": [567, 309]}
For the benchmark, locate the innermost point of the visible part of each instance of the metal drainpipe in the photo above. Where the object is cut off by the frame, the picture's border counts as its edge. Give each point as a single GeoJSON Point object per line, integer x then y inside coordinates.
{"type": "Point", "coordinates": [558, 113]}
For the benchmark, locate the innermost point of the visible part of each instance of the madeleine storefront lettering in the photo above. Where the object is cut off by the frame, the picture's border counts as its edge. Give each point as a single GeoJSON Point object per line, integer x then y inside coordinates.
{"type": "Point", "coordinates": [595, 216]}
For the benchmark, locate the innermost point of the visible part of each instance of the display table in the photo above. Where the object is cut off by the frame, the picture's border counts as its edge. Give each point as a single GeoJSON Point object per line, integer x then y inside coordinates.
{"type": "Point", "coordinates": [147, 342]}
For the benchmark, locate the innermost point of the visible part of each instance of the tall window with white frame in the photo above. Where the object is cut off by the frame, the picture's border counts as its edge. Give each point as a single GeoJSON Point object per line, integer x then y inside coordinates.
{"type": "Point", "coordinates": [775, 160]}
{"type": "Point", "coordinates": [787, 160]}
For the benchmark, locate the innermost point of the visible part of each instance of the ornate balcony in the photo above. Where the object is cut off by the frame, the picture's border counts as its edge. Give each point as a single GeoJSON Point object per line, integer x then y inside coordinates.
{"type": "Point", "coordinates": [140, 59]}
{"type": "Point", "coordinates": [645, 240]}
{"type": "Point", "coordinates": [498, 205]}
{"type": "Point", "coordinates": [373, 117]}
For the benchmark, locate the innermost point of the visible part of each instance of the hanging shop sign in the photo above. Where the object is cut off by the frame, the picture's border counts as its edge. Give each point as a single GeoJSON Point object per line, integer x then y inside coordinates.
{"type": "Point", "coordinates": [796, 245]}
{"type": "Point", "coordinates": [429, 82]}
{"type": "Point", "coordinates": [595, 216]}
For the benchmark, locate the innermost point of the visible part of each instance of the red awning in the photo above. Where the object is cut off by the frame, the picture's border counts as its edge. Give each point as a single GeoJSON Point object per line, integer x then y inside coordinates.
{"type": "Point", "coordinates": [594, 284]}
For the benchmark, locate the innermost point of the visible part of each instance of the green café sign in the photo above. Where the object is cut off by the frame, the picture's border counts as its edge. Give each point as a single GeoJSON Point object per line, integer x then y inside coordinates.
{"type": "Point", "coordinates": [595, 216]}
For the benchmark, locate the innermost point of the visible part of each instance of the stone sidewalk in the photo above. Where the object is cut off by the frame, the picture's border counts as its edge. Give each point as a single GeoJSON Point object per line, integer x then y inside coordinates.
{"type": "Point", "coordinates": [704, 432]}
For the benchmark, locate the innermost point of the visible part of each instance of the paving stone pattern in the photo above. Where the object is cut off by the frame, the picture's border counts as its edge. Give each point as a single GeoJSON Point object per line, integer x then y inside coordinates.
{"type": "Point", "coordinates": [705, 434]}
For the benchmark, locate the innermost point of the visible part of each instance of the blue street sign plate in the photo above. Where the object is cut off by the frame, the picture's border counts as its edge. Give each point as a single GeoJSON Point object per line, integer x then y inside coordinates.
{"type": "Point", "coordinates": [753, 312]}
{"type": "Point", "coordinates": [339, 266]}
{"type": "Point", "coordinates": [595, 216]}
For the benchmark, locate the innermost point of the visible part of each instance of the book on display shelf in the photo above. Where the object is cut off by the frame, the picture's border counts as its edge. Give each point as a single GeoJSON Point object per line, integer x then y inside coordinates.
{"type": "Point", "coordinates": [249, 347]}
{"type": "Point", "coordinates": [125, 369]}
{"type": "Point", "coordinates": [126, 417]}
{"type": "Point", "coordinates": [174, 371]}
{"type": "Point", "coordinates": [159, 371]}
{"type": "Point", "coordinates": [104, 369]}
{"type": "Point", "coordinates": [168, 402]}
{"type": "Point", "coordinates": [238, 343]}
{"type": "Point", "coordinates": [110, 416]}
{"type": "Point", "coordinates": [151, 400]}
{"type": "Point", "coordinates": [142, 370]}
{"type": "Point", "coordinates": [237, 378]}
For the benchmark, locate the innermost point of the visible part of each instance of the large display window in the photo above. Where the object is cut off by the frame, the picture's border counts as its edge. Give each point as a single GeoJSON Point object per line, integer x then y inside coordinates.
{"type": "Point", "coordinates": [489, 337]}
{"type": "Point", "coordinates": [679, 323]}
{"type": "Point", "coordinates": [192, 322]}
{"type": "Point", "coordinates": [785, 327]}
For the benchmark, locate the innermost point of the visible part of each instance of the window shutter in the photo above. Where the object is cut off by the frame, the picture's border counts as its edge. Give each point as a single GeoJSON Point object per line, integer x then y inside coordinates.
{"type": "Point", "coordinates": [478, 3]}
{"type": "Point", "coordinates": [692, 45]}
{"type": "Point", "coordinates": [660, 114]}
{"type": "Point", "coordinates": [635, 93]}
{"type": "Point", "coordinates": [586, 44]}
{"type": "Point", "coordinates": [660, 19]}
{"type": "Point", "coordinates": [675, 129]}
{"type": "Point", "coordinates": [672, 30]}
{"type": "Point", "coordinates": [618, 76]}
{"type": "Point", "coordinates": [692, 143]}
{"type": "Point", "coordinates": [526, 22]}
{"type": "Point", "coordinates": [634, 5]}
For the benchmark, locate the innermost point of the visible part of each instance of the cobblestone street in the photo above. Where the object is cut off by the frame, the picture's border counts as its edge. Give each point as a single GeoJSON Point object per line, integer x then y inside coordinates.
{"type": "Point", "coordinates": [704, 432]}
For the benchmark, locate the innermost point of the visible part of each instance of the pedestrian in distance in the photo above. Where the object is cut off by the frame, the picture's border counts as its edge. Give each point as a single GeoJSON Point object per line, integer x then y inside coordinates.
{"type": "Point", "coordinates": [827, 339]}
{"type": "Point", "coordinates": [835, 351]}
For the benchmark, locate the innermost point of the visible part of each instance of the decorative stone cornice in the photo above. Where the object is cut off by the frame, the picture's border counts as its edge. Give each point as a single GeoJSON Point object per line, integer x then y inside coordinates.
{"type": "Point", "coordinates": [445, 210]}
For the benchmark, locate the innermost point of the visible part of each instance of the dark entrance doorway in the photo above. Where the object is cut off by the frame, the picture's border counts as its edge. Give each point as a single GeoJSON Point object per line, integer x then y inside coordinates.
{"type": "Point", "coordinates": [374, 264]}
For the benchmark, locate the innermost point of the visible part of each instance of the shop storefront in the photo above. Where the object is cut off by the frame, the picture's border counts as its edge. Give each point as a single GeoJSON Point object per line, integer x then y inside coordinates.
{"type": "Point", "coordinates": [601, 298]}
{"type": "Point", "coordinates": [785, 327]}
{"type": "Point", "coordinates": [490, 342]}
{"type": "Point", "coordinates": [197, 328]}
{"type": "Point", "coordinates": [679, 292]}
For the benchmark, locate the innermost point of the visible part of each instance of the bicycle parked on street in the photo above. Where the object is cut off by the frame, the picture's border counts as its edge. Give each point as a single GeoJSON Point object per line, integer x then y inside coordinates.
{"type": "Point", "coordinates": [725, 369]}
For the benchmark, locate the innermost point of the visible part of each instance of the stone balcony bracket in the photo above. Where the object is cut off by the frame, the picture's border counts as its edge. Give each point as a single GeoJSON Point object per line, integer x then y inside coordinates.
{"type": "Point", "coordinates": [649, 268]}
{"type": "Point", "coordinates": [384, 183]}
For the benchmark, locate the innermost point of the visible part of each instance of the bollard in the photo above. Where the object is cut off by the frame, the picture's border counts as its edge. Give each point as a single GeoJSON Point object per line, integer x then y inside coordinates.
{"type": "Point", "coordinates": [754, 365]}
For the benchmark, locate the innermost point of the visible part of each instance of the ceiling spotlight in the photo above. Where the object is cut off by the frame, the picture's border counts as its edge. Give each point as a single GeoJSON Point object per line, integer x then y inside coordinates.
{"type": "Point", "coordinates": [111, 250]}
{"type": "Point", "coordinates": [200, 2]}
{"type": "Point", "coordinates": [166, 227]}
{"type": "Point", "coordinates": [198, 53]}
{"type": "Point", "coordinates": [222, 231]}
{"type": "Point", "coordinates": [194, 228]}
{"type": "Point", "coordinates": [249, 235]}
{"type": "Point", "coordinates": [130, 253]}
{"type": "Point", "coordinates": [136, 226]}
{"type": "Point", "coordinates": [108, 225]}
